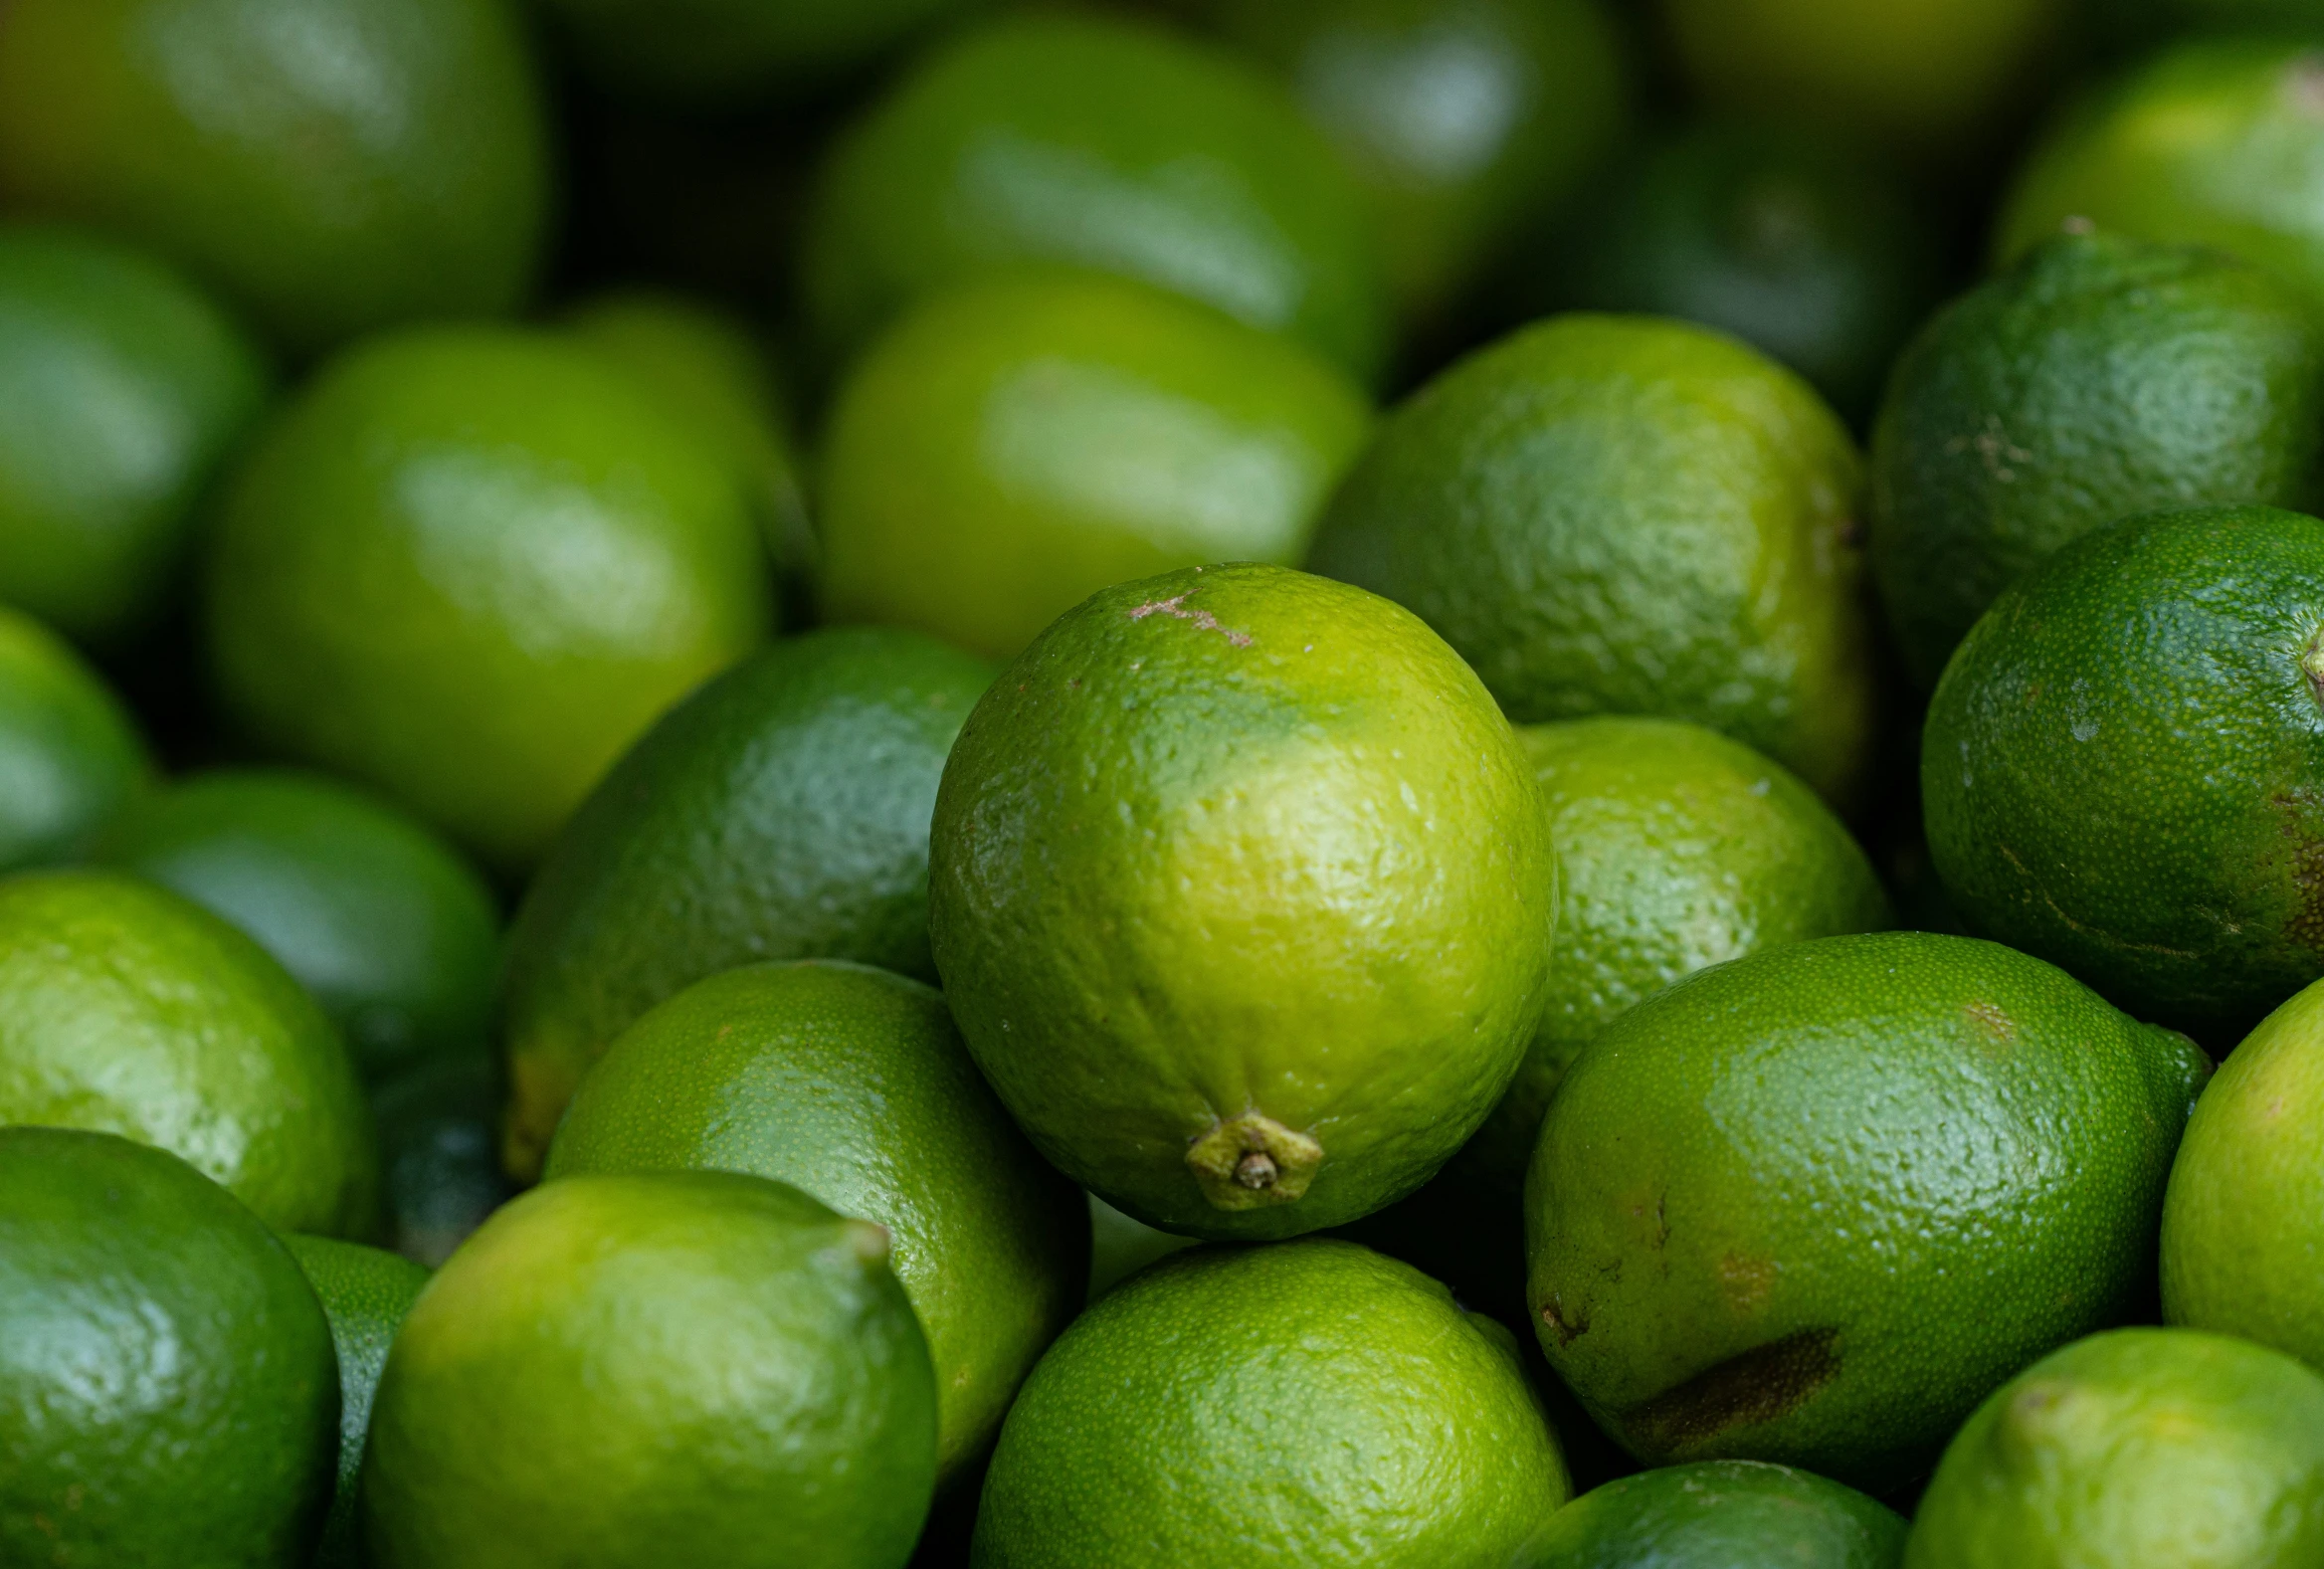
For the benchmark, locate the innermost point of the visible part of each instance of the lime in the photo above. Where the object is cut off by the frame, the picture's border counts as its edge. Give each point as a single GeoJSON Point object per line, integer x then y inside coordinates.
{"type": "Point", "coordinates": [1681, 850]}
{"type": "Point", "coordinates": [1120, 1247]}
{"type": "Point", "coordinates": [365, 1295]}
{"type": "Point", "coordinates": [329, 168]}
{"type": "Point", "coordinates": [1243, 895]}
{"type": "Point", "coordinates": [2143, 1449]}
{"type": "Point", "coordinates": [1620, 515]}
{"type": "Point", "coordinates": [70, 755]}
{"type": "Point", "coordinates": [1097, 142]}
{"type": "Point", "coordinates": [1307, 1404]}
{"type": "Point", "coordinates": [2101, 377]}
{"type": "Point", "coordinates": [699, 1368]}
{"type": "Point", "coordinates": [166, 1388]}
{"type": "Point", "coordinates": [780, 813]}
{"type": "Point", "coordinates": [467, 566]}
{"type": "Point", "coordinates": [2213, 141]}
{"type": "Point", "coordinates": [123, 389]}
{"type": "Point", "coordinates": [1719, 1512]}
{"type": "Point", "coordinates": [2078, 809]}
{"type": "Point", "coordinates": [440, 1155]}
{"type": "Point", "coordinates": [1012, 447]}
{"type": "Point", "coordinates": [1813, 1204]}
{"type": "Point", "coordinates": [851, 1084]}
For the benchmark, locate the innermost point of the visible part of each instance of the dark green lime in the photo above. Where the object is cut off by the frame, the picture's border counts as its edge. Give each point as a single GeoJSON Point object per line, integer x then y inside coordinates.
{"type": "Point", "coordinates": [365, 1295]}
{"type": "Point", "coordinates": [1721, 1514]}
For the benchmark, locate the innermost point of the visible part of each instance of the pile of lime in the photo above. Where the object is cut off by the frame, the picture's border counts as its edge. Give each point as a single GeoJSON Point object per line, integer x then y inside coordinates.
{"type": "Point", "coordinates": [1306, 784]}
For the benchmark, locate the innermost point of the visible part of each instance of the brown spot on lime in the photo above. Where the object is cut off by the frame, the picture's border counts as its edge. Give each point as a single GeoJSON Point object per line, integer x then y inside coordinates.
{"type": "Point", "coordinates": [1746, 1281]}
{"type": "Point", "coordinates": [1745, 1391]}
{"type": "Point", "coordinates": [1992, 1022]}
{"type": "Point", "coordinates": [1175, 608]}
{"type": "Point", "coordinates": [1567, 1329]}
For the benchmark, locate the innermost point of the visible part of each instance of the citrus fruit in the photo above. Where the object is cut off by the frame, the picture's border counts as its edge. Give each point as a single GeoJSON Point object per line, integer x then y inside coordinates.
{"type": "Point", "coordinates": [364, 1295]}
{"type": "Point", "coordinates": [166, 1386]}
{"type": "Point", "coordinates": [1720, 1513]}
{"type": "Point", "coordinates": [2124, 766]}
{"type": "Point", "coordinates": [328, 168]}
{"type": "Point", "coordinates": [1243, 895]}
{"type": "Point", "coordinates": [1803, 244]}
{"type": "Point", "coordinates": [2143, 1449]}
{"type": "Point", "coordinates": [626, 1371]}
{"type": "Point", "coordinates": [70, 755]}
{"type": "Point", "coordinates": [466, 567]}
{"type": "Point", "coordinates": [1814, 1204]}
{"type": "Point", "coordinates": [2241, 1224]}
{"type": "Point", "coordinates": [1313, 1403]}
{"type": "Point", "coordinates": [1097, 142]}
{"type": "Point", "coordinates": [123, 389]}
{"type": "Point", "coordinates": [1620, 515]}
{"type": "Point", "coordinates": [2212, 141]}
{"type": "Point", "coordinates": [780, 813]}
{"type": "Point", "coordinates": [1467, 123]}
{"type": "Point", "coordinates": [390, 930]}
{"type": "Point", "coordinates": [440, 1155]}
{"type": "Point", "coordinates": [126, 1009]}
{"type": "Point", "coordinates": [1012, 447]}
{"type": "Point", "coordinates": [2099, 378]}
{"type": "Point", "coordinates": [1120, 1247]}
{"type": "Point", "coordinates": [1680, 850]}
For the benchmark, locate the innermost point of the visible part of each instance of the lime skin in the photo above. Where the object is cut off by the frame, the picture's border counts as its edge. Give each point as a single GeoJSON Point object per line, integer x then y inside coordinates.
{"type": "Point", "coordinates": [364, 1295]}
{"type": "Point", "coordinates": [71, 757]}
{"type": "Point", "coordinates": [1716, 1514]}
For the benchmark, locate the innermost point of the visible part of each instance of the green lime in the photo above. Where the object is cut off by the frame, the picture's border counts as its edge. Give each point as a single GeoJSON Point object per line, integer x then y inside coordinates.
{"type": "Point", "coordinates": [1243, 895]}
{"type": "Point", "coordinates": [166, 1386]}
{"type": "Point", "coordinates": [467, 566]}
{"type": "Point", "coordinates": [126, 1009]}
{"type": "Point", "coordinates": [780, 813]}
{"type": "Point", "coordinates": [1011, 446]}
{"type": "Point", "coordinates": [1620, 514]}
{"type": "Point", "coordinates": [1098, 142]}
{"type": "Point", "coordinates": [71, 757]}
{"type": "Point", "coordinates": [851, 1084]}
{"type": "Point", "coordinates": [1803, 244]}
{"type": "Point", "coordinates": [329, 169]}
{"type": "Point", "coordinates": [1120, 1247]}
{"type": "Point", "coordinates": [440, 1155]}
{"type": "Point", "coordinates": [2213, 141]}
{"type": "Point", "coordinates": [1467, 123]}
{"type": "Point", "coordinates": [2099, 378]}
{"type": "Point", "coordinates": [365, 1295]}
{"type": "Point", "coordinates": [122, 391]}
{"type": "Point", "coordinates": [1681, 850]}
{"type": "Point", "coordinates": [1813, 1204]}
{"type": "Point", "coordinates": [2124, 765]}
{"type": "Point", "coordinates": [697, 1369]}
{"type": "Point", "coordinates": [1722, 1512]}
{"type": "Point", "coordinates": [391, 931]}
{"type": "Point", "coordinates": [1313, 1403]}
{"type": "Point", "coordinates": [2144, 1449]}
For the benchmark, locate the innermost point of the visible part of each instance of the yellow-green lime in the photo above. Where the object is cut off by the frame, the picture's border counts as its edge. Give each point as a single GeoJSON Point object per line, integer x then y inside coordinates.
{"type": "Point", "coordinates": [467, 566]}
{"type": "Point", "coordinates": [1716, 1514]}
{"type": "Point", "coordinates": [1813, 1204]}
{"type": "Point", "coordinates": [364, 1295]}
{"type": "Point", "coordinates": [1119, 1246]}
{"type": "Point", "coordinates": [1243, 895]}
{"type": "Point", "coordinates": [636, 1371]}
{"type": "Point", "coordinates": [2143, 1449]}
{"type": "Point", "coordinates": [1011, 446]}
{"type": "Point", "coordinates": [1312, 1403]}
{"type": "Point", "coordinates": [71, 757]}
{"type": "Point", "coordinates": [851, 1084]}
{"type": "Point", "coordinates": [1626, 514]}
{"type": "Point", "coordinates": [167, 1394]}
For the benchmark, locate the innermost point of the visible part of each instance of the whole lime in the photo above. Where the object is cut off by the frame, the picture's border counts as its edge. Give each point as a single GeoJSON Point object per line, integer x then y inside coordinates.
{"type": "Point", "coordinates": [1120, 1247]}
{"type": "Point", "coordinates": [440, 1155]}
{"type": "Point", "coordinates": [1010, 447]}
{"type": "Point", "coordinates": [2124, 765]}
{"type": "Point", "coordinates": [1243, 895]}
{"type": "Point", "coordinates": [780, 813]}
{"type": "Point", "coordinates": [1618, 515]}
{"type": "Point", "coordinates": [122, 387]}
{"type": "Point", "coordinates": [365, 1295]}
{"type": "Point", "coordinates": [696, 1368]}
{"type": "Point", "coordinates": [2143, 1449]}
{"type": "Point", "coordinates": [467, 566]}
{"type": "Point", "coordinates": [851, 1084]}
{"type": "Point", "coordinates": [1312, 1403]}
{"type": "Point", "coordinates": [1719, 1512]}
{"type": "Point", "coordinates": [1813, 1204]}
{"type": "Point", "coordinates": [1680, 850]}
{"type": "Point", "coordinates": [330, 168]}
{"type": "Point", "coordinates": [1097, 142]}
{"type": "Point", "coordinates": [71, 757]}
{"type": "Point", "coordinates": [166, 1386]}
